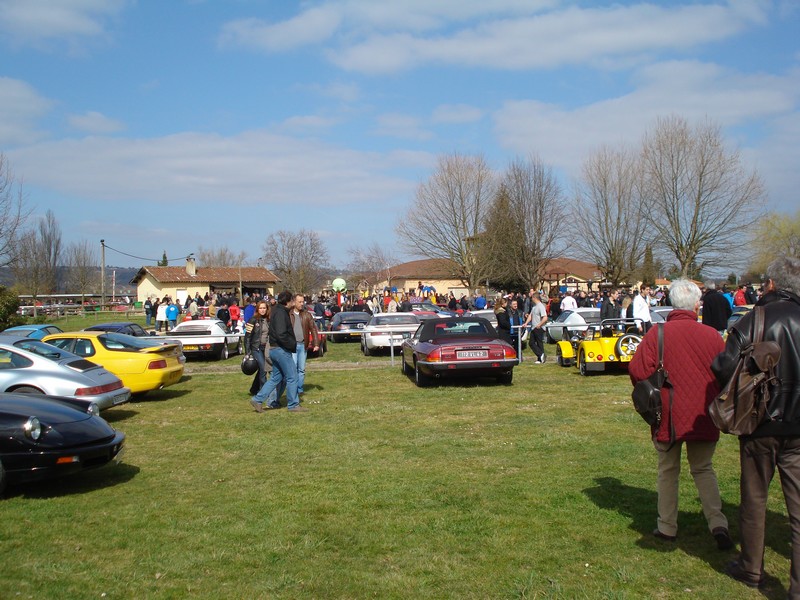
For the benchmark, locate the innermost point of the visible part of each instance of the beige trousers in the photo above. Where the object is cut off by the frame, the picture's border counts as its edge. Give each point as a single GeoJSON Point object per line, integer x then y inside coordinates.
{"type": "Point", "coordinates": [699, 455]}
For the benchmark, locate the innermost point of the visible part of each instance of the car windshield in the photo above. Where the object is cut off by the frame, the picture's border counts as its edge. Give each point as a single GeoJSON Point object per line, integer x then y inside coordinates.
{"type": "Point", "coordinates": [563, 316]}
{"type": "Point", "coordinates": [46, 350]}
{"type": "Point", "coordinates": [395, 320]}
{"type": "Point", "coordinates": [121, 341]}
{"type": "Point", "coordinates": [456, 327]}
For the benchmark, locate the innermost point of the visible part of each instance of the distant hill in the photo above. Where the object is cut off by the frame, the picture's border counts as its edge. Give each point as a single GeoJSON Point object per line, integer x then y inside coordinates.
{"type": "Point", "coordinates": [121, 275]}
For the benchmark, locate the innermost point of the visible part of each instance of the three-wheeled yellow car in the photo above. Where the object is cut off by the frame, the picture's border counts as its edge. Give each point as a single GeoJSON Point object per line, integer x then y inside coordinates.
{"type": "Point", "coordinates": [611, 344]}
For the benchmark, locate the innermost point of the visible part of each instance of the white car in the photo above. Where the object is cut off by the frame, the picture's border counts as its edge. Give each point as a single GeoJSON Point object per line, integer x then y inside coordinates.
{"type": "Point", "coordinates": [569, 322]}
{"type": "Point", "coordinates": [388, 329]}
{"type": "Point", "coordinates": [486, 313]}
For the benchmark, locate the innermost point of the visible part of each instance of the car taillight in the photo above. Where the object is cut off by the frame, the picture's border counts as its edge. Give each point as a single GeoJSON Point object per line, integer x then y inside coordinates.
{"type": "Point", "coordinates": [435, 356]}
{"type": "Point", "coordinates": [99, 389]}
{"type": "Point", "coordinates": [509, 353]}
{"type": "Point", "coordinates": [157, 364]}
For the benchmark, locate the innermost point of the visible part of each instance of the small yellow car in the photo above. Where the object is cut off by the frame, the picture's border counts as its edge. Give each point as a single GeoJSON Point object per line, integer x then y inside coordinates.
{"type": "Point", "coordinates": [610, 344]}
{"type": "Point", "coordinates": [143, 364]}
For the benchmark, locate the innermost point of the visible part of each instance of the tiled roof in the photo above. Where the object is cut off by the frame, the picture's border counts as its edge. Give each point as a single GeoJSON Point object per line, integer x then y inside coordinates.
{"type": "Point", "coordinates": [570, 266]}
{"type": "Point", "coordinates": [429, 268]}
{"type": "Point", "coordinates": [207, 274]}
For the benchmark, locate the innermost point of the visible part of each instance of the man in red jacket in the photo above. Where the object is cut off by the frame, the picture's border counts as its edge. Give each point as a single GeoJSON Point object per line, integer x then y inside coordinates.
{"type": "Point", "coordinates": [689, 348]}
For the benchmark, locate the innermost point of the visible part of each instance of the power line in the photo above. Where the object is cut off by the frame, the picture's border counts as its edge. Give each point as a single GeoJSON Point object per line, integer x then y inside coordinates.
{"type": "Point", "coordinates": [155, 260]}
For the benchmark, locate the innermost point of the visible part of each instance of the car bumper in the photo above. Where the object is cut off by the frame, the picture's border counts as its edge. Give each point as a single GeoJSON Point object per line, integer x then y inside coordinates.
{"type": "Point", "coordinates": [34, 466]}
{"type": "Point", "coordinates": [476, 367]}
{"type": "Point", "coordinates": [155, 379]}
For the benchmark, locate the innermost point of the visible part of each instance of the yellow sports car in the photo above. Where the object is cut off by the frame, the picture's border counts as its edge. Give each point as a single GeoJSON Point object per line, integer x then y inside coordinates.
{"type": "Point", "coordinates": [141, 363]}
{"type": "Point", "coordinates": [609, 344]}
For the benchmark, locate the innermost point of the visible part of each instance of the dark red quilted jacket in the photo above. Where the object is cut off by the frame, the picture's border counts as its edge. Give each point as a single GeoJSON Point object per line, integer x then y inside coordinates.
{"type": "Point", "coordinates": [689, 348]}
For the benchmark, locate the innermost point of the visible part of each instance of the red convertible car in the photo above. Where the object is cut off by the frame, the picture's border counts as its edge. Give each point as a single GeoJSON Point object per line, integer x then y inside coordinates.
{"type": "Point", "coordinates": [457, 347]}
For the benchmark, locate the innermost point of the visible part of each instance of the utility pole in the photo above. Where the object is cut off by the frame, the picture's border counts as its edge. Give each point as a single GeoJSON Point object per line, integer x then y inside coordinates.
{"type": "Point", "coordinates": [102, 274]}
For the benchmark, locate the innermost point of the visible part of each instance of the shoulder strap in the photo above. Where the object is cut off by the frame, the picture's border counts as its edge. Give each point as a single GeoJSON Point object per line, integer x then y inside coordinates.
{"type": "Point", "coordinates": [758, 324]}
{"type": "Point", "coordinates": [660, 346]}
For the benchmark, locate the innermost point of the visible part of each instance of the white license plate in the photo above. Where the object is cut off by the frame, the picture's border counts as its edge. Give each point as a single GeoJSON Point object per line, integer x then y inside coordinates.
{"type": "Point", "coordinates": [473, 354]}
{"type": "Point", "coordinates": [119, 399]}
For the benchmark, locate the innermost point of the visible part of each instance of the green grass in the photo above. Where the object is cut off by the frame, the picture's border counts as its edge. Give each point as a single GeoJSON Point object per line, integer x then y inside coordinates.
{"type": "Point", "coordinates": [542, 489]}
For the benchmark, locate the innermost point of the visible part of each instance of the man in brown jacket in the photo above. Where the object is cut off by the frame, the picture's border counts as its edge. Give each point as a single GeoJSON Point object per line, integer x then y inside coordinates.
{"type": "Point", "coordinates": [307, 338]}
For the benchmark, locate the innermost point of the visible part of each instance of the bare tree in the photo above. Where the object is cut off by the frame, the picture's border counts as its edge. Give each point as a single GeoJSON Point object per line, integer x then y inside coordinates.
{"type": "Point", "coordinates": [84, 268]}
{"type": "Point", "coordinates": [13, 212]}
{"type": "Point", "coordinates": [220, 257]}
{"type": "Point", "coordinates": [298, 258]}
{"type": "Point", "coordinates": [775, 235]}
{"type": "Point", "coordinates": [611, 227]}
{"type": "Point", "coordinates": [374, 263]}
{"type": "Point", "coordinates": [531, 198]}
{"type": "Point", "coordinates": [29, 268]}
{"type": "Point", "coordinates": [446, 217]}
{"type": "Point", "coordinates": [699, 197]}
{"type": "Point", "coordinates": [49, 237]}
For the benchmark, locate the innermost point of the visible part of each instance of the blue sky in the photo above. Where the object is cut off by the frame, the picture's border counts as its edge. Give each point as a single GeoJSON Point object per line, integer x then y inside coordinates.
{"type": "Point", "coordinates": [173, 125]}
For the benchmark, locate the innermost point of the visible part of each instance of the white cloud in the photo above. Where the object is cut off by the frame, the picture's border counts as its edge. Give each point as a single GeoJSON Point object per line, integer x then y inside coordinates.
{"type": "Point", "coordinates": [31, 22]}
{"type": "Point", "coordinates": [20, 108]}
{"type": "Point", "coordinates": [304, 123]}
{"type": "Point", "coordinates": [456, 113]}
{"type": "Point", "coordinates": [401, 126]}
{"type": "Point", "coordinates": [313, 26]}
{"type": "Point", "coordinates": [95, 122]}
{"type": "Point", "coordinates": [571, 36]}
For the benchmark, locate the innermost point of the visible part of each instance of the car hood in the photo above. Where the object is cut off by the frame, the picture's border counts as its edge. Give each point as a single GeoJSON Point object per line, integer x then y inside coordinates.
{"type": "Point", "coordinates": [48, 410]}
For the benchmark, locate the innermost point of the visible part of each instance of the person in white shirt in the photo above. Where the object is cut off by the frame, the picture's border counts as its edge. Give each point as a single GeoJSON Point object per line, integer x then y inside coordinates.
{"type": "Point", "coordinates": [641, 309]}
{"type": "Point", "coordinates": [568, 303]}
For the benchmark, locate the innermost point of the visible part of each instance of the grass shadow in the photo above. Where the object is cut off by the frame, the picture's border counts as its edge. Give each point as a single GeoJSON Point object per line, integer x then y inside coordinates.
{"type": "Point", "coordinates": [640, 506]}
{"type": "Point", "coordinates": [75, 484]}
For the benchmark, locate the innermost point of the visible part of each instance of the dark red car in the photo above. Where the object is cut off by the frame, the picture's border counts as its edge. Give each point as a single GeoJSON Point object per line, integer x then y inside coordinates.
{"type": "Point", "coordinates": [457, 347]}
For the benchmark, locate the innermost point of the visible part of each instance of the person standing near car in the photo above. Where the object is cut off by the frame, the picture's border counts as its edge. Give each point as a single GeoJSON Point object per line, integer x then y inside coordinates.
{"type": "Point", "coordinates": [716, 310]}
{"type": "Point", "coordinates": [148, 311]}
{"type": "Point", "coordinates": [689, 348]}
{"type": "Point", "coordinates": [775, 443]}
{"type": "Point", "coordinates": [609, 308]}
{"type": "Point", "coordinates": [282, 345]}
{"type": "Point", "coordinates": [503, 321]}
{"type": "Point", "coordinates": [256, 342]}
{"type": "Point", "coordinates": [307, 338]}
{"type": "Point", "coordinates": [536, 320]}
{"type": "Point", "coordinates": [172, 312]}
{"type": "Point", "coordinates": [641, 309]}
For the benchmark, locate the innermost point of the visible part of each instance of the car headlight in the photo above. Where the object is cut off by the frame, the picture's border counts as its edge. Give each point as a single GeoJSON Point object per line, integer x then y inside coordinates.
{"type": "Point", "coordinates": [93, 409]}
{"type": "Point", "coordinates": [33, 428]}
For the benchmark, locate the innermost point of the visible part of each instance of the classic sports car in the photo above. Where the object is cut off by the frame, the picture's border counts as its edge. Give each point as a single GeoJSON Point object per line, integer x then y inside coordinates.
{"type": "Point", "coordinates": [43, 437]}
{"type": "Point", "coordinates": [387, 329]}
{"type": "Point", "coordinates": [348, 321]}
{"type": "Point", "coordinates": [142, 363]}
{"type": "Point", "coordinates": [206, 337]}
{"type": "Point", "coordinates": [611, 343]}
{"type": "Point", "coordinates": [462, 346]}
{"type": "Point", "coordinates": [486, 313]}
{"type": "Point", "coordinates": [33, 367]}
{"type": "Point", "coordinates": [35, 332]}
{"type": "Point", "coordinates": [569, 322]}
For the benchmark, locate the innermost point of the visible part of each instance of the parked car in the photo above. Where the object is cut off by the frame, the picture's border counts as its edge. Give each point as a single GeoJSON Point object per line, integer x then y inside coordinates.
{"type": "Point", "coordinates": [569, 322]}
{"type": "Point", "coordinates": [602, 346]}
{"type": "Point", "coordinates": [457, 347]}
{"type": "Point", "coordinates": [738, 313]}
{"type": "Point", "coordinates": [142, 364]}
{"type": "Point", "coordinates": [485, 313]}
{"type": "Point", "coordinates": [352, 322]}
{"type": "Point", "coordinates": [429, 309]}
{"type": "Point", "coordinates": [35, 332]}
{"type": "Point", "coordinates": [133, 329]}
{"type": "Point", "coordinates": [658, 314]}
{"type": "Point", "coordinates": [387, 329]}
{"type": "Point", "coordinates": [209, 337]}
{"type": "Point", "coordinates": [44, 437]}
{"type": "Point", "coordinates": [34, 367]}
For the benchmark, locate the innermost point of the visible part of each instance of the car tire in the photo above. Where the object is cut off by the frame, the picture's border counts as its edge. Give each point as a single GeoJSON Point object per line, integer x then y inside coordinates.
{"type": "Point", "coordinates": [223, 352]}
{"type": "Point", "coordinates": [506, 378]}
{"type": "Point", "coordinates": [627, 344]}
{"type": "Point", "coordinates": [403, 365]}
{"type": "Point", "coordinates": [559, 358]}
{"type": "Point", "coordinates": [240, 347]}
{"type": "Point", "coordinates": [321, 351]}
{"type": "Point", "coordinates": [365, 350]}
{"type": "Point", "coordinates": [582, 365]}
{"type": "Point", "coordinates": [420, 378]}
{"type": "Point", "coordinates": [27, 389]}
{"type": "Point", "coordinates": [2, 479]}
{"type": "Point", "coordinates": [550, 340]}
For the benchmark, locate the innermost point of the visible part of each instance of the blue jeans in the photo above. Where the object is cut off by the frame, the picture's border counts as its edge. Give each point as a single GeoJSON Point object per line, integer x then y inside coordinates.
{"type": "Point", "coordinates": [300, 363]}
{"type": "Point", "coordinates": [149, 319]}
{"type": "Point", "coordinates": [284, 371]}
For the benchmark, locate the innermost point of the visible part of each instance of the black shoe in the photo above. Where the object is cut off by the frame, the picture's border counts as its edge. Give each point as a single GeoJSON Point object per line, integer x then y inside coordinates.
{"type": "Point", "coordinates": [734, 570]}
{"type": "Point", "coordinates": [724, 541]}
{"type": "Point", "coordinates": [664, 536]}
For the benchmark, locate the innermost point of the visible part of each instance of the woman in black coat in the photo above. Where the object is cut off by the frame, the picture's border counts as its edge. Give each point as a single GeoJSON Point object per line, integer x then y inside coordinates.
{"type": "Point", "coordinates": [503, 320]}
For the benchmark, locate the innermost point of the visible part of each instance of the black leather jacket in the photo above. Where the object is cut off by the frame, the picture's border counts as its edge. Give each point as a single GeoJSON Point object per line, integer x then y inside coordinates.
{"type": "Point", "coordinates": [252, 333]}
{"type": "Point", "coordinates": [281, 332]}
{"type": "Point", "coordinates": [781, 324]}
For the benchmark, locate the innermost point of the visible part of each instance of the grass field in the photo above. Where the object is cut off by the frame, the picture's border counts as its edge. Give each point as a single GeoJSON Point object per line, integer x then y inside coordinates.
{"type": "Point", "coordinates": [542, 489]}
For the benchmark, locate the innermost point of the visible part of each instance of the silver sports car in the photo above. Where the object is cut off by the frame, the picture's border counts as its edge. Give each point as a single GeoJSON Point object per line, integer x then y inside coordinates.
{"type": "Point", "coordinates": [31, 366]}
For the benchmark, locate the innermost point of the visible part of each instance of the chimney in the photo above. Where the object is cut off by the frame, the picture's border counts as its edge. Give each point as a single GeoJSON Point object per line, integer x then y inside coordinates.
{"type": "Point", "coordinates": [191, 268]}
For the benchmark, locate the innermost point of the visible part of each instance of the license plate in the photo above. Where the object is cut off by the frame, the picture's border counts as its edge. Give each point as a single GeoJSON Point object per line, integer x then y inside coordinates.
{"type": "Point", "coordinates": [190, 347]}
{"type": "Point", "coordinates": [473, 354]}
{"type": "Point", "coordinates": [119, 399]}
